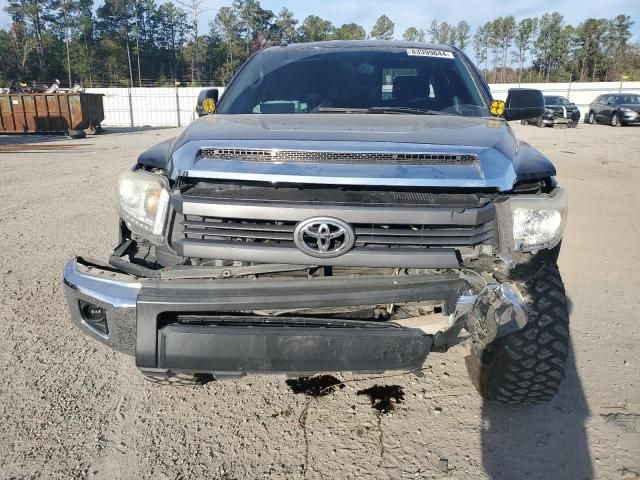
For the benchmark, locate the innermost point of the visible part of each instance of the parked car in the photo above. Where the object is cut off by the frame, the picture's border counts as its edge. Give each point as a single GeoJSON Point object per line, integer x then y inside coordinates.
{"type": "Point", "coordinates": [558, 111]}
{"type": "Point", "coordinates": [616, 109]}
{"type": "Point", "coordinates": [312, 224]}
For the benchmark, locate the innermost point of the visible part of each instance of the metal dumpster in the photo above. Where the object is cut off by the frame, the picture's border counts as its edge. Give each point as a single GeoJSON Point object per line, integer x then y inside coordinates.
{"type": "Point", "coordinates": [50, 112]}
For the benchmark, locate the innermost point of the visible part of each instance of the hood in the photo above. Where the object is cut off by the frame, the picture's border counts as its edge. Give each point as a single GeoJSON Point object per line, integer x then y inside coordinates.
{"type": "Point", "coordinates": [568, 107]}
{"type": "Point", "coordinates": [492, 141]}
{"type": "Point", "coordinates": [632, 106]}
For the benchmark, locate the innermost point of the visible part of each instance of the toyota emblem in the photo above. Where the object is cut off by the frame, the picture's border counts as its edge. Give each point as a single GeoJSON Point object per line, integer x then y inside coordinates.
{"type": "Point", "coordinates": [324, 237]}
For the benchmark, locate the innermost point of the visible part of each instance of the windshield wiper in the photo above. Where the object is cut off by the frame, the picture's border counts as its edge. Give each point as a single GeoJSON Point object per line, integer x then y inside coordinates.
{"type": "Point", "coordinates": [341, 110]}
{"type": "Point", "coordinates": [408, 110]}
{"type": "Point", "coordinates": [400, 110]}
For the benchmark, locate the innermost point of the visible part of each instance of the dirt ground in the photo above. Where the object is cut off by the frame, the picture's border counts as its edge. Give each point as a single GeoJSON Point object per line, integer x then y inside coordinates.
{"type": "Point", "coordinates": [72, 408]}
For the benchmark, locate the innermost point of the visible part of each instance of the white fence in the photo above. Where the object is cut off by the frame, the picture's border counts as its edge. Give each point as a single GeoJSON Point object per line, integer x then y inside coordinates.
{"type": "Point", "coordinates": [172, 107]}
{"type": "Point", "coordinates": [582, 94]}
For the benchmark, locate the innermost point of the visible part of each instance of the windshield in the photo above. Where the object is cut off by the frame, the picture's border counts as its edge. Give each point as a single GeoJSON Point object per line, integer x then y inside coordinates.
{"type": "Point", "coordinates": [321, 80]}
{"type": "Point", "coordinates": [628, 99]}
{"type": "Point", "coordinates": [556, 101]}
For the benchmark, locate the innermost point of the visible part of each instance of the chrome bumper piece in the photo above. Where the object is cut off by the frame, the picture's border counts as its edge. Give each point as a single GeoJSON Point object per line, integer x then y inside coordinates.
{"type": "Point", "coordinates": [133, 308]}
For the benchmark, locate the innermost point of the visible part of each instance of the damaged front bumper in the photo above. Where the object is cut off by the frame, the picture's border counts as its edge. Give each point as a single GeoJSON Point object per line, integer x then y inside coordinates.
{"type": "Point", "coordinates": [202, 325]}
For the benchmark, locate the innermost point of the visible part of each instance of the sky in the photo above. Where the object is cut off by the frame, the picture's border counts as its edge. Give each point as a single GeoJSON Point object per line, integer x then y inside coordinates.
{"type": "Point", "coordinates": [420, 13]}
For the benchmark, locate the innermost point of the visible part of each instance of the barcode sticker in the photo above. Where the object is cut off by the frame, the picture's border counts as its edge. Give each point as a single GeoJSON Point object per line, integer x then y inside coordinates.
{"type": "Point", "coordinates": [428, 52]}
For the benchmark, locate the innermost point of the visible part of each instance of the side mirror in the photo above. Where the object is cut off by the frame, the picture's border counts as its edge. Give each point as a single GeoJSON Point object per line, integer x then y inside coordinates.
{"type": "Point", "coordinates": [207, 101]}
{"type": "Point", "coordinates": [523, 103]}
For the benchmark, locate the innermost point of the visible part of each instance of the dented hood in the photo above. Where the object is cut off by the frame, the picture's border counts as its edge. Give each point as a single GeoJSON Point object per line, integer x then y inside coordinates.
{"type": "Point", "coordinates": [503, 159]}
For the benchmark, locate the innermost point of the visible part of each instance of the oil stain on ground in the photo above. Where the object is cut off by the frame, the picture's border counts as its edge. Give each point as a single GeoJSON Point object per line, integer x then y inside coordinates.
{"type": "Point", "coordinates": [313, 388]}
{"type": "Point", "coordinates": [384, 397]}
{"type": "Point", "coordinates": [318, 386]}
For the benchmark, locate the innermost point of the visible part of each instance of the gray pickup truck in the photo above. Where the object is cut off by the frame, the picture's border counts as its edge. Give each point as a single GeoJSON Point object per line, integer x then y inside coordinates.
{"type": "Point", "coordinates": [349, 206]}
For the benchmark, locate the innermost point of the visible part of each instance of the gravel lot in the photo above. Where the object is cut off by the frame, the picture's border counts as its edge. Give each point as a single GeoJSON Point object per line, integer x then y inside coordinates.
{"type": "Point", "coordinates": [72, 408]}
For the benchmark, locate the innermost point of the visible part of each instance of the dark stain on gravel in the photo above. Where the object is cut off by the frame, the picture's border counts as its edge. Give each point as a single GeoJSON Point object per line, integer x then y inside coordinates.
{"type": "Point", "coordinates": [319, 386]}
{"type": "Point", "coordinates": [384, 397]}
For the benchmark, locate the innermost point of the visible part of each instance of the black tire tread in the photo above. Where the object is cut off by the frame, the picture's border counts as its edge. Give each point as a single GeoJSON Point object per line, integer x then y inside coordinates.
{"type": "Point", "coordinates": [531, 362]}
{"type": "Point", "coordinates": [178, 379]}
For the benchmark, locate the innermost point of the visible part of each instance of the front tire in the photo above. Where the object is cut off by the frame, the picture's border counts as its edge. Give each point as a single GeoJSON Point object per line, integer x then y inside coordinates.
{"type": "Point", "coordinates": [527, 366]}
{"type": "Point", "coordinates": [591, 118]}
{"type": "Point", "coordinates": [615, 120]}
{"type": "Point", "coordinates": [75, 134]}
{"type": "Point", "coordinates": [540, 123]}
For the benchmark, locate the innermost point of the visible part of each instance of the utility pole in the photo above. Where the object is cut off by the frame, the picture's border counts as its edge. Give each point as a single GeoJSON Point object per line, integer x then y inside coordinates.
{"type": "Point", "coordinates": [623, 77]}
{"type": "Point", "coordinates": [135, 13]}
{"type": "Point", "coordinates": [195, 8]}
{"type": "Point", "coordinates": [67, 31]}
{"type": "Point", "coordinates": [130, 80]}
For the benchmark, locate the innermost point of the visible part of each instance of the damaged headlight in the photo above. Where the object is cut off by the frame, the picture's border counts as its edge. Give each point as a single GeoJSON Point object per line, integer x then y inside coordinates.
{"type": "Point", "coordinates": [143, 201]}
{"type": "Point", "coordinates": [539, 221]}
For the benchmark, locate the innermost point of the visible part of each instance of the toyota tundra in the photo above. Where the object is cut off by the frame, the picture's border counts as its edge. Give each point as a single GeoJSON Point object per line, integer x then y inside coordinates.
{"type": "Point", "coordinates": [341, 207]}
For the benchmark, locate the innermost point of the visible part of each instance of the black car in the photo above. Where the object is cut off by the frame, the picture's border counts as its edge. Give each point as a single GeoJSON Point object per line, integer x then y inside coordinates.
{"type": "Point", "coordinates": [616, 109]}
{"type": "Point", "coordinates": [558, 110]}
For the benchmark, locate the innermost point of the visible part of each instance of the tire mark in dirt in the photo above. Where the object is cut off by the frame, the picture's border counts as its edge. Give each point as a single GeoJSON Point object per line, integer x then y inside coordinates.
{"type": "Point", "coordinates": [627, 422]}
{"type": "Point", "coordinates": [119, 459]}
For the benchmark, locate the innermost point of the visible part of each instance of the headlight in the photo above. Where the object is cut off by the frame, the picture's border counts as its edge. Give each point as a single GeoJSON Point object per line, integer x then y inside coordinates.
{"type": "Point", "coordinates": [625, 109]}
{"type": "Point", "coordinates": [143, 201]}
{"type": "Point", "coordinates": [538, 222]}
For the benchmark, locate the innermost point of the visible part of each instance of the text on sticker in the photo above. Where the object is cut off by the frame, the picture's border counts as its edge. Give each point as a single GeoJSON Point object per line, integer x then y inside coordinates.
{"type": "Point", "coordinates": [428, 52]}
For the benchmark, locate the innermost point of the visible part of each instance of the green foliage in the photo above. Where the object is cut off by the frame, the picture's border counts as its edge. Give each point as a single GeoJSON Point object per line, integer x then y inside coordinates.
{"type": "Point", "coordinates": [383, 28]}
{"type": "Point", "coordinates": [315, 29]}
{"type": "Point", "coordinates": [285, 26]}
{"type": "Point", "coordinates": [412, 34]}
{"type": "Point", "coordinates": [154, 42]}
{"type": "Point", "coordinates": [350, 31]}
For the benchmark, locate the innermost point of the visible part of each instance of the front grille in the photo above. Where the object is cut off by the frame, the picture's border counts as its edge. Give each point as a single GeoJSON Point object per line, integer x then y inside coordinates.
{"type": "Point", "coordinates": [326, 195]}
{"type": "Point", "coordinates": [364, 158]}
{"type": "Point", "coordinates": [280, 233]}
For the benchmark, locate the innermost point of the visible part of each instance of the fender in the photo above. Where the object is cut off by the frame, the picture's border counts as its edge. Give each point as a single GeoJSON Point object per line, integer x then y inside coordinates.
{"type": "Point", "coordinates": [531, 164]}
{"type": "Point", "coordinates": [157, 156]}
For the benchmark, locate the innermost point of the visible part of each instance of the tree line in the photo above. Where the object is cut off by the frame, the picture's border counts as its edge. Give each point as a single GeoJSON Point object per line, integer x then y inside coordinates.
{"type": "Point", "coordinates": [142, 42]}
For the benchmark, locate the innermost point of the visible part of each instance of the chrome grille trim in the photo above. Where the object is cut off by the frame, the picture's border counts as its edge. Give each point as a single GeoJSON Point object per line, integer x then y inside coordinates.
{"type": "Point", "coordinates": [386, 237]}
{"type": "Point", "coordinates": [334, 157]}
{"type": "Point", "coordinates": [279, 234]}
